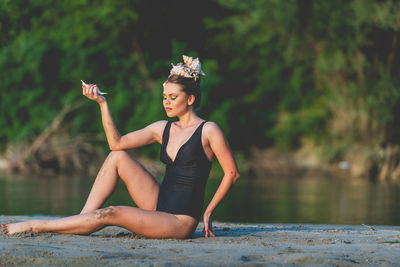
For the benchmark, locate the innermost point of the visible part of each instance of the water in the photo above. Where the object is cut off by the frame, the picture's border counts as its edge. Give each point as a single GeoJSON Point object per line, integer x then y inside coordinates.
{"type": "Point", "coordinates": [309, 199]}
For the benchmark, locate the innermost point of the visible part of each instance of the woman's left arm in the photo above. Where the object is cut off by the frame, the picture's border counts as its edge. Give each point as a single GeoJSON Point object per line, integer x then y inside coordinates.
{"type": "Point", "coordinates": [219, 146]}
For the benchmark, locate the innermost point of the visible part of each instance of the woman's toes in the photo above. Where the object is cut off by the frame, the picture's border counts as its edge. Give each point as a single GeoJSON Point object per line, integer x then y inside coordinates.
{"type": "Point", "coordinates": [4, 228]}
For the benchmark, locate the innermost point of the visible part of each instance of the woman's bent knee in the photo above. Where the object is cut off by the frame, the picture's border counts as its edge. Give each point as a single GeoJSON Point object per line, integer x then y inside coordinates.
{"type": "Point", "coordinates": [118, 154]}
{"type": "Point", "coordinates": [121, 156]}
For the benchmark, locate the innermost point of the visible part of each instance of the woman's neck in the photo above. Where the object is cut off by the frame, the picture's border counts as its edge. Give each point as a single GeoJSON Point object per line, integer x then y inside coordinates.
{"type": "Point", "coordinates": [188, 119]}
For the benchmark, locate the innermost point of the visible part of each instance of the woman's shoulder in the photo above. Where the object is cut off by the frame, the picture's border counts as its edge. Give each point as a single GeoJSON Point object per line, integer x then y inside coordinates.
{"type": "Point", "coordinates": [210, 124]}
{"type": "Point", "coordinates": [158, 125]}
{"type": "Point", "coordinates": [157, 129]}
{"type": "Point", "coordinates": [211, 128]}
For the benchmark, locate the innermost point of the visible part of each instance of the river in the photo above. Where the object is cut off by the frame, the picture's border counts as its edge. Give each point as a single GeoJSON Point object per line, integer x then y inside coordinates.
{"type": "Point", "coordinates": [303, 199]}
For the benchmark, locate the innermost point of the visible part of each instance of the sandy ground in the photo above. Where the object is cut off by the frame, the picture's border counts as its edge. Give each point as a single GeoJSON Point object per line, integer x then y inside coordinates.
{"type": "Point", "coordinates": [235, 245]}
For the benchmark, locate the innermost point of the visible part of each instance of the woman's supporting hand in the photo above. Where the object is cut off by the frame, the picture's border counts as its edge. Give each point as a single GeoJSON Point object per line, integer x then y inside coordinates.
{"type": "Point", "coordinates": [91, 92]}
{"type": "Point", "coordinates": [208, 225]}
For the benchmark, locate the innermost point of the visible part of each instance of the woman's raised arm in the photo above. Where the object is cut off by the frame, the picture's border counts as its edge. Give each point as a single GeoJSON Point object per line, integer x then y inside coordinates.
{"type": "Point", "coordinates": [148, 135]}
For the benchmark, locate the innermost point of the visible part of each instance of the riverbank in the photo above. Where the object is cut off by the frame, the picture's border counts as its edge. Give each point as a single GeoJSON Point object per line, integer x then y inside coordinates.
{"type": "Point", "coordinates": [236, 244]}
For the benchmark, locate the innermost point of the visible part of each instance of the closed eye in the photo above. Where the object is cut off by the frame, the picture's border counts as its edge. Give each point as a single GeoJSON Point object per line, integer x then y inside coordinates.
{"type": "Point", "coordinates": [171, 97]}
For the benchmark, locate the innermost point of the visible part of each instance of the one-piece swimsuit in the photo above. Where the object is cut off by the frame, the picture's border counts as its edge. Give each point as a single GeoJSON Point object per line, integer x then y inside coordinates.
{"type": "Point", "coordinates": [183, 186]}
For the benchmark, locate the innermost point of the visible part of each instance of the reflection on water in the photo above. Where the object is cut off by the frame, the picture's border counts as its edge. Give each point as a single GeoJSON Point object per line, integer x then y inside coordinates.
{"type": "Point", "coordinates": [253, 199]}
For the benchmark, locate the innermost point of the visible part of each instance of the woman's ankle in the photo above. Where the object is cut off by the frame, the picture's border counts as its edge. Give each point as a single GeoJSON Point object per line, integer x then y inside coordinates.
{"type": "Point", "coordinates": [36, 225]}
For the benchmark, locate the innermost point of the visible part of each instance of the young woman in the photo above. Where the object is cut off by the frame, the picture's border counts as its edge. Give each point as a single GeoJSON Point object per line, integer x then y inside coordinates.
{"type": "Point", "coordinates": [173, 208]}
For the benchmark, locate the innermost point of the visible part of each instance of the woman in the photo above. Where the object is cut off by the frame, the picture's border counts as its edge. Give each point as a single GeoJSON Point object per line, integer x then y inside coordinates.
{"type": "Point", "coordinates": [168, 210]}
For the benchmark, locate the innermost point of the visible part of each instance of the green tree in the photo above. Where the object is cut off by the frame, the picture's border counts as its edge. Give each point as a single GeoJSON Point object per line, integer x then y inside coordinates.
{"type": "Point", "coordinates": [322, 71]}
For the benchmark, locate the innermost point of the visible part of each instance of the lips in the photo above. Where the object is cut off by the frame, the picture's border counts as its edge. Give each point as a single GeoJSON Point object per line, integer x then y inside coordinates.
{"type": "Point", "coordinates": [168, 109]}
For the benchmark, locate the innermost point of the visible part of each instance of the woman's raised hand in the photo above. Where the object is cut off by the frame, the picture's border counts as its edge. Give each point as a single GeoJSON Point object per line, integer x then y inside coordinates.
{"type": "Point", "coordinates": [91, 91]}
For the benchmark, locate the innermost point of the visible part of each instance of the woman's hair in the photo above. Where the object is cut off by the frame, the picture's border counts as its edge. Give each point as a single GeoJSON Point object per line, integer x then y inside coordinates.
{"type": "Point", "coordinates": [190, 86]}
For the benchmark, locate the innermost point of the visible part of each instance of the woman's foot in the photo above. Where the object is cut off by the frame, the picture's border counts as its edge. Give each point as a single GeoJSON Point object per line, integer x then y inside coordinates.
{"type": "Point", "coordinates": [13, 228]}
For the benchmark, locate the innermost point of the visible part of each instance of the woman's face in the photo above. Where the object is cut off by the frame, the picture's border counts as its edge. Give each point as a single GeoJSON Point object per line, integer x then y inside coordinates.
{"type": "Point", "coordinates": [176, 102]}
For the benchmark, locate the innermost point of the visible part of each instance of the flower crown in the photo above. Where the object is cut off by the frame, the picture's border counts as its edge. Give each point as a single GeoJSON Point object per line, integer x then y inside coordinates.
{"type": "Point", "coordinates": [190, 68]}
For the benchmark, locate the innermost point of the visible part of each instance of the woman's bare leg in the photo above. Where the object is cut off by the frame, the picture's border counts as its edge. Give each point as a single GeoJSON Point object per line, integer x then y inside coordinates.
{"type": "Point", "coordinates": [152, 224]}
{"type": "Point", "coordinates": [142, 186]}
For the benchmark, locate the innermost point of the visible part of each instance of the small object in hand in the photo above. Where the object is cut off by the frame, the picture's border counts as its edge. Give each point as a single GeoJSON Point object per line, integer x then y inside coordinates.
{"type": "Point", "coordinates": [98, 90]}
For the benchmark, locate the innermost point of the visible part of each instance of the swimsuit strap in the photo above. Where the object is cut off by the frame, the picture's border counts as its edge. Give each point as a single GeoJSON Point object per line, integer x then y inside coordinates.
{"type": "Point", "coordinates": [165, 136]}
{"type": "Point", "coordinates": [197, 133]}
{"type": "Point", "coordinates": [200, 128]}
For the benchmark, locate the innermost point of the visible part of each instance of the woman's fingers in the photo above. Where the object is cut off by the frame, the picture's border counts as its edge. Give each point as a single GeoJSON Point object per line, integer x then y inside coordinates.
{"type": "Point", "coordinates": [208, 225]}
{"type": "Point", "coordinates": [209, 233]}
{"type": "Point", "coordinates": [87, 89]}
{"type": "Point", "coordinates": [91, 91]}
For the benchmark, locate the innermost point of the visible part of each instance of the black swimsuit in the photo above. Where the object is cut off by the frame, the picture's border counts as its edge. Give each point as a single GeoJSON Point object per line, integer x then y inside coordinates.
{"type": "Point", "coordinates": [183, 186]}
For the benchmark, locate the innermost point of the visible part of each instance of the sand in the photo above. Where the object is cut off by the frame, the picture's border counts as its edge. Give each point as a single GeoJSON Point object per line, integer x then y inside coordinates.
{"type": "Point", "coordinates": [236, 244]}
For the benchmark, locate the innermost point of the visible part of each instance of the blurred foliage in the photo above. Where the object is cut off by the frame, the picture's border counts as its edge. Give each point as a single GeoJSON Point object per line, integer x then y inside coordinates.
{"type": "Point", "coordinates": [125, 47]}
{"type": "Point", "coordinates": [322, 71]}
{"type": "Point", "coordinates": [278, 72]}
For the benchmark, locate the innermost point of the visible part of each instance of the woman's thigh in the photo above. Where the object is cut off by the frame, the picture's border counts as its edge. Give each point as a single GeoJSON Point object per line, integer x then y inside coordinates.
{"type": "Point", "coordinates": [141, 184]}
{"type": "Point", "coordinates": [153, 224]}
